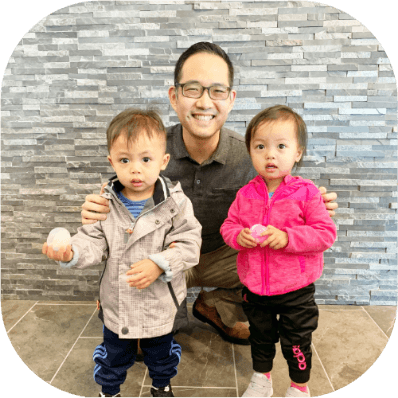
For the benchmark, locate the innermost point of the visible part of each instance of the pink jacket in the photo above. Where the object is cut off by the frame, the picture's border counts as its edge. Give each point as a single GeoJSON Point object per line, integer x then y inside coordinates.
{"type": "Point", "coordinates": [296, 208]}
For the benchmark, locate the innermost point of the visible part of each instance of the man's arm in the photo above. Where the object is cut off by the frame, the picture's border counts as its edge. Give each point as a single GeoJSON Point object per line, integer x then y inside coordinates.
{"type": "Point", "coordinates": [328, 199]}
{"type": "Point", "coordinates": [95, 208]}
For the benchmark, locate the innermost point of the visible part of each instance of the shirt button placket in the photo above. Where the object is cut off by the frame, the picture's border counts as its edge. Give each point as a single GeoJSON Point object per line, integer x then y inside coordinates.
{"type": "Point", "coordinates": [198, 183]}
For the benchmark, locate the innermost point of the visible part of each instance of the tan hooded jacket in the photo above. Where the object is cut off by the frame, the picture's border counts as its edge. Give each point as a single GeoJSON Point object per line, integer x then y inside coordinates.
{"type": "Point", "coordinates": [123, 240]}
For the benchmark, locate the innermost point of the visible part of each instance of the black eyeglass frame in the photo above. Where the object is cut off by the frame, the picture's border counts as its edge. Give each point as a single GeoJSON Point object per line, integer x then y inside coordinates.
{"type": "Point", "coordinates": [203, 90]}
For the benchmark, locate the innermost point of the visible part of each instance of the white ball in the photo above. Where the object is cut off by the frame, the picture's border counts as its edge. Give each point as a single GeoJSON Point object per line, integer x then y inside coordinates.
{"type": "Point", "coordinates": [58, 237]}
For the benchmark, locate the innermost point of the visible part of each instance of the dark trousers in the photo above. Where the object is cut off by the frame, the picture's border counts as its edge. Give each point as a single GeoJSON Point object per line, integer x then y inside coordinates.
{"type": "Point", "coordinates": [290, 317]}
{"type": "Point", "coordinates": [115, 356]}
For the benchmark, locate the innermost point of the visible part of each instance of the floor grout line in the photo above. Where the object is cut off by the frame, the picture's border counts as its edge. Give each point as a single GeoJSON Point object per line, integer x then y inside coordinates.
{"type": "Point", "coordinates": [23, 316]}
{"type": "Point", "coordinates": [374, 322]}
{"type": "Point", "coordinates": [143, 382]}
{"type": "Point", "coordinates": [214, 388]}
{"type": "Point", "coordinates": [326, 373]}
{"type": "Point", "coordinates": [43, 303]}
{"type": "Point", "coordinates": [60, 366]}
{"type": "Point", "coordinates": [236, 376]}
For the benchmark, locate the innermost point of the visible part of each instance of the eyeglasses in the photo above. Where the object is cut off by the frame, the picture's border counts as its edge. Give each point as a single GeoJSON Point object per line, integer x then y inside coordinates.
{"type": "Point", "coordinates": [196, 90]}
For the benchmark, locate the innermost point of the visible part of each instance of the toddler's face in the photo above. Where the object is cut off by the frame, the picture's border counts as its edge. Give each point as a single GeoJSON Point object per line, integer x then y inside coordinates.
{"type": "Point", "coordinates": [138, 164]}
{"type": "Point", "coordinates": [274, 149]}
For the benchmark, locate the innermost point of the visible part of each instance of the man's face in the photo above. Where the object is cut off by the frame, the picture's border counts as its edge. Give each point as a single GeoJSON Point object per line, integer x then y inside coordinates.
{"type": "Point", "coordinates": [202, 117]}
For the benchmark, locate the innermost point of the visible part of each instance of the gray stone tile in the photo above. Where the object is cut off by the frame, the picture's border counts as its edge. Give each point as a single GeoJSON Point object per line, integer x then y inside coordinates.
{"type": "Point", "coordinates": [13, 310]}
{"type": "Point", "coordinates": [348, 343]}
{"type": "Point", "coordinates": [76, 374]}
{"type": "Point", "coordinates": [53, 329]}
{"type": "Point", "coordinates": [206, 361]}
{"type": "Point", "coordinates": [384, 316]}
{"type": "Point", "coordinates": [94, 327]}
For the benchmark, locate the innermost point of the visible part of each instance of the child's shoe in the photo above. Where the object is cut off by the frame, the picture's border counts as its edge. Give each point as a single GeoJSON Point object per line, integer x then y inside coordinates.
{"type": "Point", "coordinates": [260, 386]}
{"type": "Point", "coordinates": [162, 391]}
{"type": "Point", "coordinates": [295, 392]}
{"type": "Point", "coordinates": [101, 394]}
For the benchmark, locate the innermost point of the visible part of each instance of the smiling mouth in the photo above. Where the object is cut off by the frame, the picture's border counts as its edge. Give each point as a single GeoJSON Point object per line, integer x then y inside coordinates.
{"type": "Point", "coordinates": [271, 167]}
{"type": "Point", "coordinates": [205, 118]}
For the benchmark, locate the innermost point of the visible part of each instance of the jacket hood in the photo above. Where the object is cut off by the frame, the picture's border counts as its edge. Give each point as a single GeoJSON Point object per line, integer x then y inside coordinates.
{"type": "Point", "coordinates": [163, 186]}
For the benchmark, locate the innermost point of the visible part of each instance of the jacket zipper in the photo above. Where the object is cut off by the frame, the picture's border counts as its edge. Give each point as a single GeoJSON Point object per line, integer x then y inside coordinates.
{"type": "Point", "coordinates": [268, 207]}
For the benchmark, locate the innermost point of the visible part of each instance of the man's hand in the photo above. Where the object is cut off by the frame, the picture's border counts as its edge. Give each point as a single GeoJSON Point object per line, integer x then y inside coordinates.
{"type": "Point", "coordinates": [143, 273]}
{"type": "Point", "coordinates": [328, 199]}
{"type": "Point", "coordinates": [277, 239]}
{"type": "Point", "coordinates": [64, 254]}
{"type": "Point", "coordinates": [245, 239]}
{"type": "Point", "coordinates": [95, 208]}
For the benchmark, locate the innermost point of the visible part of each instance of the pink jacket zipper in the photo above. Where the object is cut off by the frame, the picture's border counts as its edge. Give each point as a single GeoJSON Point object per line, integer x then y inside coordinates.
{"type": "Point", "coordinates": [267, 249]}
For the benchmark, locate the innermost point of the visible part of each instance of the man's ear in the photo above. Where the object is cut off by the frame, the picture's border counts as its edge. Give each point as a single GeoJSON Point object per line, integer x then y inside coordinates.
{"type": "Point", "coordinates": [173, 96]}
{"type": "Point", "coordinates": [232, 97]}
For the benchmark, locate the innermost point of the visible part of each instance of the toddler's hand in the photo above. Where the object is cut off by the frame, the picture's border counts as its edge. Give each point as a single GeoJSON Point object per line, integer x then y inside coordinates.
{"type": "Point", "coordinates": [277, 239]}
{"type": "Point", "coordinates": [246, 239]}
{"type": "Point", "coordinates": [64, 254]}
{"type": "Point", "coordinates": [144, 273]}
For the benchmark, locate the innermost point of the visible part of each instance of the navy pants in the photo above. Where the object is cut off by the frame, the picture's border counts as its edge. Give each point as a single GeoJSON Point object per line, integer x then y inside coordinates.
{"type": "Point", "coordinates": [290, 317]}
{"type": "Point", "coordinates": [115, 356]}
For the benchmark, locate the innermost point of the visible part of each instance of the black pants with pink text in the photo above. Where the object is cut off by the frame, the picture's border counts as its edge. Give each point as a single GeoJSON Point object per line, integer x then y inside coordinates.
{"type": "Point", "coordinates": [290, 317]}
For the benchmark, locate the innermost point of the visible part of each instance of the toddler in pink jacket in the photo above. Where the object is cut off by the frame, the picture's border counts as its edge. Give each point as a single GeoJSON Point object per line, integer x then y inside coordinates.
{"type": "Point", "coordinates": [279, 266]}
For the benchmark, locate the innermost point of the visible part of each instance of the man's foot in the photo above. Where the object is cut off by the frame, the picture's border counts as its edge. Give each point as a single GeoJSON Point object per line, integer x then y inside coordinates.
{"type": "Point", "coordinates": [162, 391]}
{"type": "Point", "coordinates": [295, 392]}
{"type": "Point", "coordinates": [239, 334]}
{"type": "Point", "coordinates": [101, 394]}
{"type": "Point", "coordinates": [260, 386]}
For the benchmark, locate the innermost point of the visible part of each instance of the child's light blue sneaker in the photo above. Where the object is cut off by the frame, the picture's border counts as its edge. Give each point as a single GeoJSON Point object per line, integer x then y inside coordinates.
{"type": "Point", "coordinates": [260, 386]}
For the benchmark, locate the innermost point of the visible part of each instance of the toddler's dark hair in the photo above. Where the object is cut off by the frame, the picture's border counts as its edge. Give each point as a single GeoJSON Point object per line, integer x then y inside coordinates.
{"type": "Point", "coordinates": [134, 122]}
{"type": "Point", "coordinates": [279, 112]}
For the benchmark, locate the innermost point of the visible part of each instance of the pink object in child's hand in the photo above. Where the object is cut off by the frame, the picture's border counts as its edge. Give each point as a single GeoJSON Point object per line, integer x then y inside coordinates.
{"type": "Point", "coordinates": [256, 231]}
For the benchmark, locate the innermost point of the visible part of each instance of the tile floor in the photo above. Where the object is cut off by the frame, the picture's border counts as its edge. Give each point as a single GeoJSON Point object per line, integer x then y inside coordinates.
{"type": "Point", "coordinates": [56, 341]}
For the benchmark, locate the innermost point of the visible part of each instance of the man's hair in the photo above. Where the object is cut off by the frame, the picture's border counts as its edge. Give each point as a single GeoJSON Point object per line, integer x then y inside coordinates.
{"type": "Point", "coordinates": [203, 47]}
{"type": "Point", "coordinates": [134, 122]}
{"type": "Point", "coordinates": [279, 112]}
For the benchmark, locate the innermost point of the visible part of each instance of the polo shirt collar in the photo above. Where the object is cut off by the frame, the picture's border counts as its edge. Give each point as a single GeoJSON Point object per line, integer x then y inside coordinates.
{"type": "Point", "coordinates": [220, 154]}
{"type": "Point", "coordinates": [180, 151]}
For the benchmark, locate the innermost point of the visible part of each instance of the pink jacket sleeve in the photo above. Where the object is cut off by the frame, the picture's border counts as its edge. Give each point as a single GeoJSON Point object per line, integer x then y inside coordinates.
{"type": "Point", "coordinates": [231, 227]}
{"type": "Point", "coordinates": [317, 235]}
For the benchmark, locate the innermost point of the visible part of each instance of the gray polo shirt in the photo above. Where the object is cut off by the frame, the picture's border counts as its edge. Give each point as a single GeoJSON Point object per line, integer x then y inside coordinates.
{"type": "Point", "coordinates": [212, 185]}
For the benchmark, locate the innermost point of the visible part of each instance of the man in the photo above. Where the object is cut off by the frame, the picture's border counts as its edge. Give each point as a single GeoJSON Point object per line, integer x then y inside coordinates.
{"type": "Point", "coordinates": [212, 163]}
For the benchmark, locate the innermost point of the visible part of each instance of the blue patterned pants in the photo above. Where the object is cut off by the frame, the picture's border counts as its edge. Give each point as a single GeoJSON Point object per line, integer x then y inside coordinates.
{"type": "Point", "coordinates": [115, 356]}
